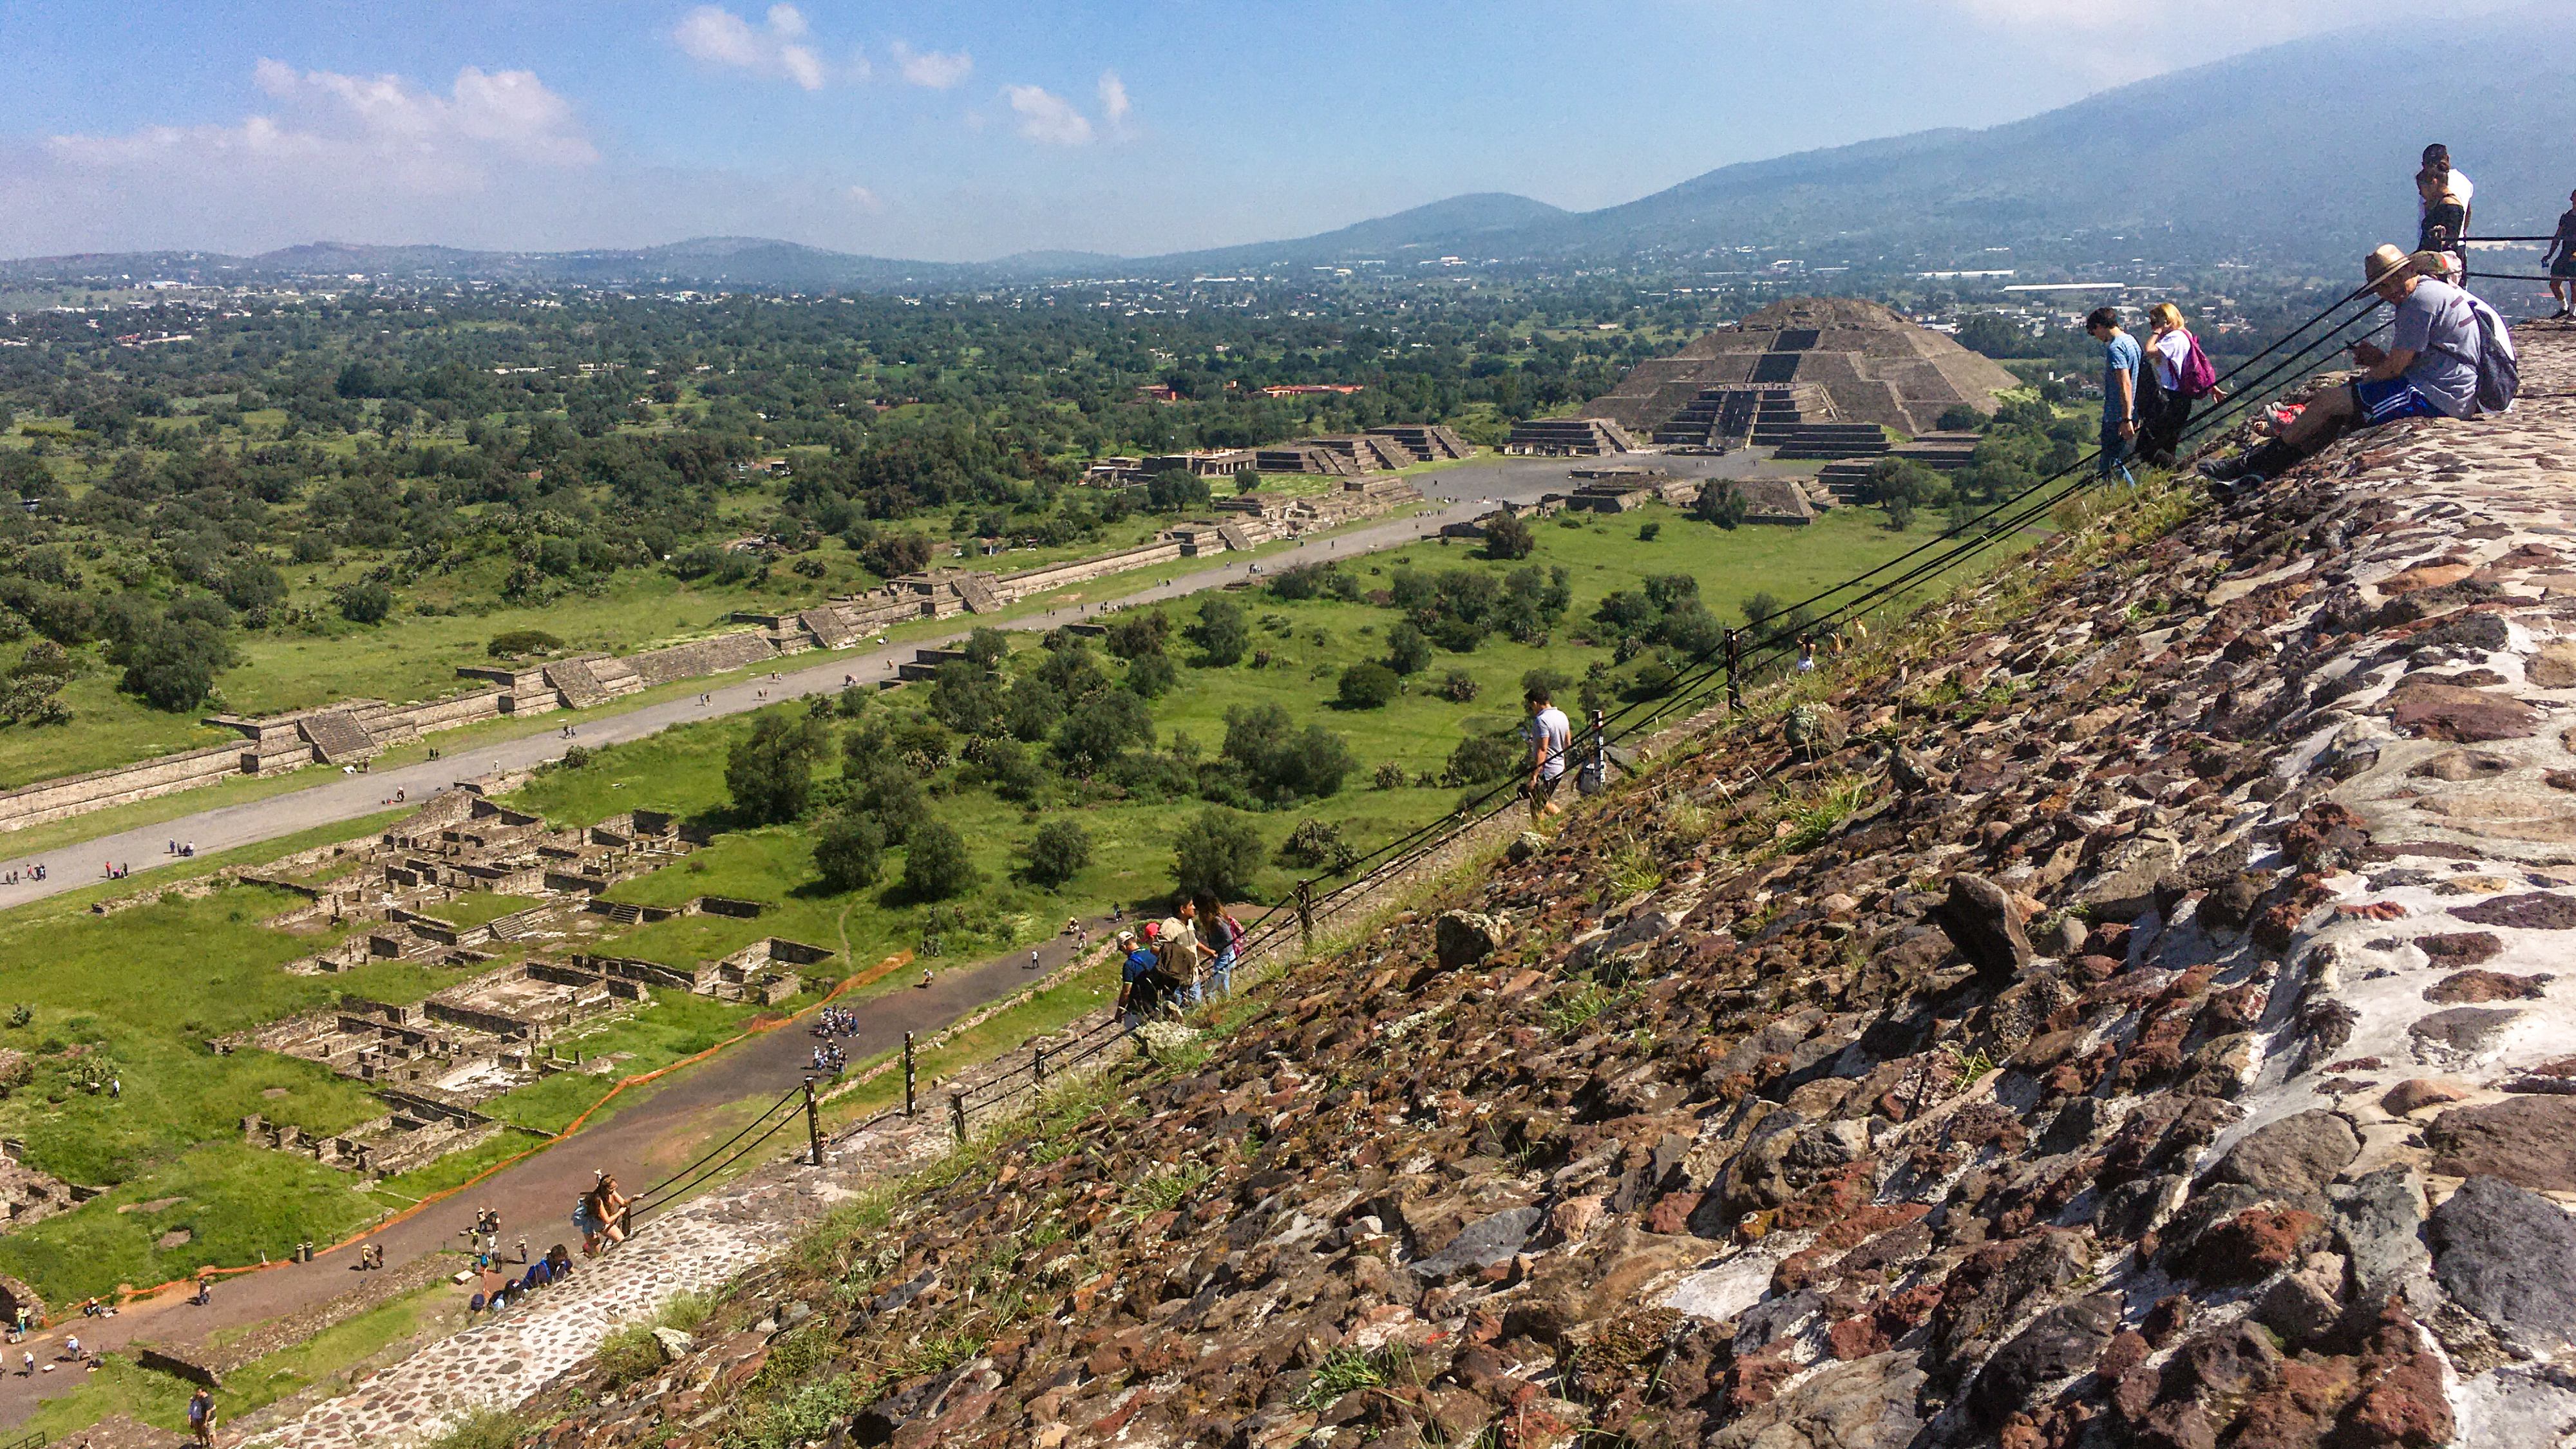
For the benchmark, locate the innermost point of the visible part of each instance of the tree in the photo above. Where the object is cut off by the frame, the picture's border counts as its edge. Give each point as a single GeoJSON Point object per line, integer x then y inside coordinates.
{"type": "Point", "coordinates": [1407, 652]}
{"type": "Point", "coordinates": [1280, 762]}
{"type": "Point", "coordinates": [849, 851]}
{"type": "Point", "coordinates": [935, 863]}
{"type": "Point", "coordinates": [1056, 854]}
{"type": "Point", "coordinates": [173, 662]}
{"type": "Point", "coordinates": [1367, 686]}
{"type": "Point", "coordinates": [1219, 854]}
{"type": "Point", "coordinates": [1101, 728]}
{"type": "Point", "coordinates": [1014, 773]}
{"type": "Point", "coordinates": [367, 602]}
{"type": "Point", "coordinates": [1222, 632]}
{"type": "Point", "coordinates": [1152, 676]}
{"type": "Point", "coordinates": [883, 789]}
{"type": "Point", "coordinates": [1960, 418]}
{"type": "Point", "coordinates": [1458, 686]}
{"type": "Point", "coordinates": [1173, 489]}
{"type": "Point", "coordinates": [770, 773]}
{"type": "Point", "coordinates": [1900, 512]}
{"type": "Point", "coordinates": [512, 643]}
{"type": "Point", "coordinates": [1647, 532]}
{"type": "Point", "coordinates": [1508, 536]}
{"type": "Point", "coordinates": [967, 698]}
{"type": "Point", "coordinates": [987, 647]}
{"type": "Point", "coordinates": [1720, 502]}
{"type": "Point", "coordinates": [1139, 633]}
{"type": "Point", "coordinates": [892, 554]}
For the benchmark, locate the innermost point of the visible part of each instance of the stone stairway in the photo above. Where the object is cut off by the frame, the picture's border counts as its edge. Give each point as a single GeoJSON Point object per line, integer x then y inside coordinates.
{"type": "Point", "coordinates": [337, 737]}
{"type": "Point", "coordinates": [574, 681]}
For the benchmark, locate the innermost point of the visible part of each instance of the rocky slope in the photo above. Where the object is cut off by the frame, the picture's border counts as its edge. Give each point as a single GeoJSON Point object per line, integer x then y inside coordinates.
{"type": "Point", "coordinates": [2131, 1021]}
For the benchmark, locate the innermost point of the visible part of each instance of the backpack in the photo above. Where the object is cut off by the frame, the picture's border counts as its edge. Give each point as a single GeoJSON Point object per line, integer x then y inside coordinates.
{"type": "Point", "coordinates": [2498, 368]}
{"type": "Point", "coordinates": [2198, 376]}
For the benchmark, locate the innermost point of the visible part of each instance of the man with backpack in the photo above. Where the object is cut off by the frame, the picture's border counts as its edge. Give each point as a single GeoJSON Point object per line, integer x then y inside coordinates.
{"type": "Point", "coordinates": [1139, 980]}
{"type": "Point", "coordinates": [2450, 356]}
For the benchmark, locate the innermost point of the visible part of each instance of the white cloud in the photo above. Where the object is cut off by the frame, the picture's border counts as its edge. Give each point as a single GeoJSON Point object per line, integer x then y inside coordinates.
{"type": "Point", "coordinates": [1114, 104]}
{"type": "Point", "coordinates": [866, 200]}
{"type": "Point", "coordinates": [377, 132]}
{"type": "Point", "coordinates": [1047, 118]}
{"type": "Point", "coordinates": [717, 36]}
{"type": "Point", "coordinates": [931, 69]}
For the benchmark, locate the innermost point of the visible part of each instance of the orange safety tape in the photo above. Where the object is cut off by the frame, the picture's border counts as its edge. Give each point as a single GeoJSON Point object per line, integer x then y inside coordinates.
{"type": "Point", "coordinates": [868, 977]}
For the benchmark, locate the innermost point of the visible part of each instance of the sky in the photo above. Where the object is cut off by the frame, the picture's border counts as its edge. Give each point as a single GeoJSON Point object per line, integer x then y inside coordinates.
{"type": "Point", "coordinates": [960, 132]}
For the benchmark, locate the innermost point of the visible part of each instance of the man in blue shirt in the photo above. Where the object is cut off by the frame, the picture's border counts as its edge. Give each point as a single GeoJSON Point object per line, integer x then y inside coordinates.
{"type": "Point", "coordinates": [2121, 357]}
{"type": "Point", "coordinates": [1138, 988]}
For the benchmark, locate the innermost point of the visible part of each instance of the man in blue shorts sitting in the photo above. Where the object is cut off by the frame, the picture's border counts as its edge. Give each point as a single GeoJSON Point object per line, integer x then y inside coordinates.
{"type": "Point", "coordinates": [2428, 370]}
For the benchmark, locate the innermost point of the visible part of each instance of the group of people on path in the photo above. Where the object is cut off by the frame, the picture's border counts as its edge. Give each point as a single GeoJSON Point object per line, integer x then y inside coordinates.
{"type": "Point", "coordinates": [554, 1267]}
{"type": "Point", "coordinates": [34, 872]}
{"type": "Point", "coordinates": [1181, 961]}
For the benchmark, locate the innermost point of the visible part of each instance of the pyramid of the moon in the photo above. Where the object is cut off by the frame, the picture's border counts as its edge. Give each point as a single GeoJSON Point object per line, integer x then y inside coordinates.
{"type": "Point", "coordinates": [1837, 359]}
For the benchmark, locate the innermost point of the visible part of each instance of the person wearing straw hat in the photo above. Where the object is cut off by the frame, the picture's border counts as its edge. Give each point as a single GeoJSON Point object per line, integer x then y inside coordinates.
{"type": "Point", "coordinates": [2429, 369]}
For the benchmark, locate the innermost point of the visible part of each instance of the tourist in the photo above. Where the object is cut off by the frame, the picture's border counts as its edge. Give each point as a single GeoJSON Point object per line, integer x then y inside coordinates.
{"type": "Point", "coordinates": [1550, 735]}
{"type": "Point", "coordinates": [201, 1415]}
{"type": "Point", "coordinates": [71, 1346]}
{"type": "Point", "coordinates": [2120, 359]}
{"type": "Point", "coordinates": [1222, 935]}
{"type": "Point", "coordinates": [205, 1288]}
{"type": "Point", "coordinates": [1138, 991]}
{"type": "Point", "coordinates": [29, 1358]}
{"type": "Point", "coordinates": [1806, 654]}
{"type": "Point", "coordinates": [2443, 220]}
{"type": "Point", "coordinates": [2430, 369]}
{"type": "Point", "coordinates": [2559, 261]}
{"type": "Point", "coordinates": [1182, 951]}
{"type": "Point", "coordinates": [2437, 163]}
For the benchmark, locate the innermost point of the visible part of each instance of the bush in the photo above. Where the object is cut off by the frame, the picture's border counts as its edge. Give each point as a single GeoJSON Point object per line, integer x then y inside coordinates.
{"type": "Point", "coordinates": [575, 757]}
{"type": "Point", "coordinates": [1960, 418]}
{"type": "Point", "coordinates": [1508, 536]}
{"type": "Point", "coordinates": [1218, 854]}
{"type": "Point", "coordinates": [1137, 634]}
{"type": "Point", "coordinates": [1720, 502]}
{"type": "Point", "coordinates": [1407, 652]}
{"type": "Point", "coordinates": [1174, 489]}
{"type": "Point", "coordinates": [1646, 532]}
{"type": "Point", "coordinates": [1222, 631]}
{"type": "Point", "coordinates": [1553, 683]}
{"type": "Point", "coordinates": [1013, 772]}
{"type": "Point", "coordinates": [891, 554]}
{"type": "Point", "coordinates": [1317, 842]}
{"type": "Point", "coordinates": [1483, 759]}
{"type": "Point", "coordinates": [1099, 729]}
{"type": "Point", "coordinates": [1281, 763]}
{"type": "Point", "coordinates": [516, 642]}
{"type": "Point", "coordinates": [1309, 581]}
{"type": "Point", "coordinates": [173, 663]}
{"type": "Point", "coordinates": [1366, 686]}
{"type": "Point", "coordinates": [935, 863]}
{"type": "Point", "coordinates": [770, 774]}
{"type": "Point", "coordinates": [849, 851]}
{"type": "Point", "coordinates": [1390, 776]}
{"type": "Point", "coordinates": [883, 789]}
{"type": "Point", "coordinates": [364, 603]}
{"type": "Point", "coordinates": [1458, 686]}
{"type": "Point", "coordinates": [1152, 676]}
{"type": "Point", "coordinates": [1056, 854]}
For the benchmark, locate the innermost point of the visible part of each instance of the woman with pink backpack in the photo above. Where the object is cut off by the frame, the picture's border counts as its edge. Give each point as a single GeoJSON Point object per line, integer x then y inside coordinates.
{"type": "Point", "coordinates": [2184, 375]}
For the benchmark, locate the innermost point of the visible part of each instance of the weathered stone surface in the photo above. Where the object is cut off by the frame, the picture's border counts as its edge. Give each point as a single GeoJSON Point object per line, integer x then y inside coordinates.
{"type": "Point", "coordinates": [2462, 1030]}
{"type": "Point", "coordinates": [2127, 882]}
{"type": "Point", "coordinates": [2536, 911]}
{"type": "Point", "coordinates": [1464, 938]}
{"type": "Point", "coordinates": [2416, 1093]}
{"type": "Point", "coordinates": [1980, 919]}
{"type": "Point", "coordinates": [2461, 948]}
{"type": "Point", "coordinates": [674, 1344]}
{"type": "Point", "coordinates": [2307, 1303]}
{"type": "Point", "coordinates": [2448, 712]}
{"type": "Point", "coordinates": [2061, 1342]}
{"type": "Point", "coordinates": [2504, 1253]}
{"type": "Point", "coordinates": [2299, 1154]}
{"type": "Point", "coordinates": [2527, 1141]}
{"type": "Point", "coordinates": [2487, 986]}
{"type": "Point", "coordinates": [1482, 1244]}
{"type": "Point", "coordinates": [2553, 666]}
{"type": "Point", "coordinates": [2379, 1229]}
{"type": "Point", "coordinates": [1868, 1404]}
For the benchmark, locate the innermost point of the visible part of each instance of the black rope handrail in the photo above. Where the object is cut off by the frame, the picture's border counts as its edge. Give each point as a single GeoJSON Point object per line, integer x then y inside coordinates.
{"type": "Point", "coordinates": [792, 1094]}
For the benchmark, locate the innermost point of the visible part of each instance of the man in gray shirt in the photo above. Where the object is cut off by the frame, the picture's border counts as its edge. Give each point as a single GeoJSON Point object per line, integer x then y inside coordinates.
{"type": "Point", "coordinates": [2428, 370]}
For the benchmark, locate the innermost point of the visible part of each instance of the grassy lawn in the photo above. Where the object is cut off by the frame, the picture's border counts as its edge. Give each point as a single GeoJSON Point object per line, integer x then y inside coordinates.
{"type": "Point", "coordinates": [673, 1025]}
{"type": "Point", "coordinates": [476, 908]}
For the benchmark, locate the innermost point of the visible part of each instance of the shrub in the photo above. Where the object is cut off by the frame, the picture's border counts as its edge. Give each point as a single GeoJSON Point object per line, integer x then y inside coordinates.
{"type": "Point", "coordinates": [575, 757]}
{"type": "Point", "coordinates": [1099, 729]}
{"type": "Point", "coordinates": [1720, 502]}
{"type": "Point", "coordinates": [1407, 652]}
{"type": "Point", "coordinates": [885, 790]}
{"type": "Point", "coordinates": [1366, 686]}
{"type": "Point", "coordinates": [1483, 759]}
{"type": "Point", "coordinates": [1508, 536]}
{"type": "Point", "coordinates": [1136, 634]}
{"type": "Point", "coordinates": [364, 603]}
{"type": "Point", "coordinates": [890, 554]}
{"type": "Point", "coordinates": [1960, 418]}
{"type": "Point", "coordinates": [1390, 776]}
{"type": "Point", "coordinates": [1056, 854]}
{"type": "Point", "coordinates": [1220, 854]}
{"type": "Point", "coordinates": [1222, 632]}
{"type": "Point", "coordinates": [849, 851]}
{"type": "Point", "coordinates": [936, 865]}
{"type": "Point", "coordinates": [1281, 763]}
{"type": "Point", "coordinates": [1646, 532]}
{"type": "Point", "coordinates": [1552, 683]}
{"type": "Point", "coordinates": [1458, 686]}
{"type": "Point", "coordinates": [1317, 842]}
{"type": "Point", "coordinates": [173, 663]}
{"type": "Point", "coordinates": [1152, 676]}
{"type": "Point", "coordinates": [516, 642]}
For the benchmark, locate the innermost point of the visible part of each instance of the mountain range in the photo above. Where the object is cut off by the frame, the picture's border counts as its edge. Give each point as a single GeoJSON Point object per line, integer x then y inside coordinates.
{"type": "Point", "coordinates": [2300, 153]}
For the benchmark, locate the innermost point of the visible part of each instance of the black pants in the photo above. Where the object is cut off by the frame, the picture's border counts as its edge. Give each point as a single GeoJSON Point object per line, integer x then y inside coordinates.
{"type": "Point", "coordinates": [2160, 427]}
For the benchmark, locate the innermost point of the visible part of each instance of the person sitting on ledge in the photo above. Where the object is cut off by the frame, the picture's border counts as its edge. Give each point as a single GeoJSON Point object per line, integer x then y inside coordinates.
{"type": "Point", "coordinates": [2429, 370]}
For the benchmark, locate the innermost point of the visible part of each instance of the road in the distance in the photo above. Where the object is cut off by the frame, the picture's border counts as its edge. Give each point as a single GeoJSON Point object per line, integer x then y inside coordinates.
{"type": "Point", "coordinates": [1467, 490]}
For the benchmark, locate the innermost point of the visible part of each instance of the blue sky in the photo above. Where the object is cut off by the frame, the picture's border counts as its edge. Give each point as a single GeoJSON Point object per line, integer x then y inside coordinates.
{"type": "Point", "coordinates": [953, 131]}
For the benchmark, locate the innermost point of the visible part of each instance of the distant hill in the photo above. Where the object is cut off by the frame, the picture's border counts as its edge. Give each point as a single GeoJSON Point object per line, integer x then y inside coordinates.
{"type": "Point", "coordinates": [2300, 152]}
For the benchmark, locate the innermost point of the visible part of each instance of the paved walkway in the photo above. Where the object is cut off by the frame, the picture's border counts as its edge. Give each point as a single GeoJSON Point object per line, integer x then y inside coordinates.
{"type": "Point", "coordinates": [347, 797]}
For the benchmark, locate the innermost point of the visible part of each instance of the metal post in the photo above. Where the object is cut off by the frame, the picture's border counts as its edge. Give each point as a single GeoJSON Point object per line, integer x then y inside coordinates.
{"type": "Point", "coordinates": [957, 1114]}
{"type": "Point", "coordinates": [1306, 913]}
{"type": "Point", "coordinates": [813, 1128]}
{"type": "Point", "coordinates": [1734, 653]}
{"type": "Point", "coordinates": [911, 1101]}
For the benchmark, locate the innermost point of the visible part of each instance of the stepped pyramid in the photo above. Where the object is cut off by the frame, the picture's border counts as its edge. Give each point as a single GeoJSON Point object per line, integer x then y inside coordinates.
{"type": "Point", "coordinates": [1870, 367]}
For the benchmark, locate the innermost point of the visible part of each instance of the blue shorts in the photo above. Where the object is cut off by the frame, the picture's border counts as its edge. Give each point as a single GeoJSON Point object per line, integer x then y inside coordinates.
{"type": "Point", "coordinates": [2386, 402]}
